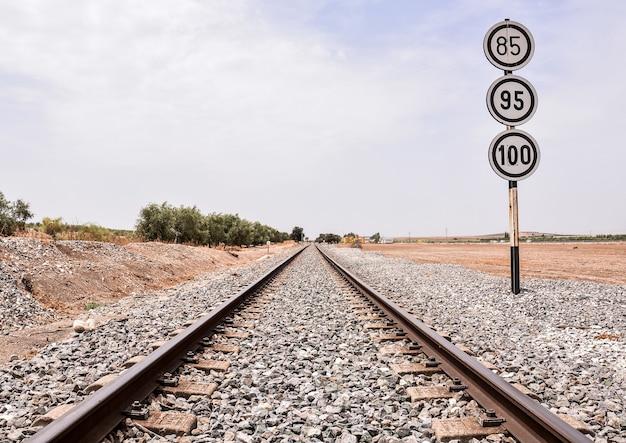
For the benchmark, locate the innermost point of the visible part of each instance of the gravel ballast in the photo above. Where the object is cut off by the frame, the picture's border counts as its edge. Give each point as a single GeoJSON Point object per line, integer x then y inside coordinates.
{"type": "Point", "coordinates": [310, 372]}
{"type": "Point", "coordinates": [60, 372]}
{"type": "Point", "coordinates": [563, 339]}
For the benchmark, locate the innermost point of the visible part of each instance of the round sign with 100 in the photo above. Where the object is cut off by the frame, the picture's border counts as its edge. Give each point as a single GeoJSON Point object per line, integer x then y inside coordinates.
{"type": "Point", "coordinates": [514, 155]}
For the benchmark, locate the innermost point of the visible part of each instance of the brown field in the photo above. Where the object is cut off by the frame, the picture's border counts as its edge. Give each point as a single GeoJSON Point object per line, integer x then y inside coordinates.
{"type": "Point", "coordinates": [600, 262]}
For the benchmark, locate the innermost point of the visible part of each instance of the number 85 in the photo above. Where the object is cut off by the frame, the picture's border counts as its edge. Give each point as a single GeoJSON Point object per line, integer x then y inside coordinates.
{"type": "Point", "coordinates": [502, 46]}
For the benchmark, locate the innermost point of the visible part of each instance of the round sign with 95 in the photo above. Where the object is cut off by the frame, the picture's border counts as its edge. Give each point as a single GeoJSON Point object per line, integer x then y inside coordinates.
{"type": "Point", "coordinates": [512, 100]}
{"type": "Point", "coordinates": [514, 155]}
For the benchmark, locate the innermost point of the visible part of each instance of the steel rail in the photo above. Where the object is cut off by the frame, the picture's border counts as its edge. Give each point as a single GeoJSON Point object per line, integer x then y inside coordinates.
{"type": "Point", "coordinates": [96, 416]}
{"type": "Point", "coordinates": [526, 419]}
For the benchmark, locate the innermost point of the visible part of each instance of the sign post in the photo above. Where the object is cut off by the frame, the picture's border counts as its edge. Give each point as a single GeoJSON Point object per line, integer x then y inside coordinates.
{"type": "Point", "coordinates": [514, 228]}
{"type": "Point", "coordinates": [512, 100]}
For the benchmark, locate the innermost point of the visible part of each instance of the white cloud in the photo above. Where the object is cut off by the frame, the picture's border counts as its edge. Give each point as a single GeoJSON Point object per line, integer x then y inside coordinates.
{"type": "Point", "coordinates": [239, 106]}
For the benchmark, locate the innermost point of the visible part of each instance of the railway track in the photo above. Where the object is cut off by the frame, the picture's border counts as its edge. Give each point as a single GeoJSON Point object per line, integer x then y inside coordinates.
{"type": "Point", "coordinates": [358, 368]}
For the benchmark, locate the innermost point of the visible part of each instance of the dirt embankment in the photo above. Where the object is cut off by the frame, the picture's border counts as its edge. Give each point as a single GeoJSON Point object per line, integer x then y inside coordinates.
{"type": "Point", "coordinates": [65, 275]}
{"type": "Point", "coordinates": [61, 280]}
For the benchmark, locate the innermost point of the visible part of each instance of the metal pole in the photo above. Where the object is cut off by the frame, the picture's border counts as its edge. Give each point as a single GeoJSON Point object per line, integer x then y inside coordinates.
{"type": "Point", "coordinates": [514, 229]}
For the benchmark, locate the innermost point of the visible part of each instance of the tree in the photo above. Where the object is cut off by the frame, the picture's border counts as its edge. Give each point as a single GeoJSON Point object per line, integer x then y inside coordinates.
{"type": "Point", "coordinates": [375, 238]}
{"type": "Point", "coordinates": [276, 236]}
{"type": "Point", "coordinates": [21, 212]}
{"type": "Point", "coordinates": [188, 223]}
{"type": "Point", "coordinates": [13, 215]}
{"type": "Point", "coordinates": [157, 222]}
{"type": "Point", "coordinates": [297, 234]}
{"type": "Point", "coordinates": [240, 233]}
{"type": "Point", "coordinates": [7, 222]}
{"type": "Point", "coordinates": [328, 238]}
{"type": "Point", "coordinates": [216, 228]}
{"type": "Point", "coordinates": [260, 233]}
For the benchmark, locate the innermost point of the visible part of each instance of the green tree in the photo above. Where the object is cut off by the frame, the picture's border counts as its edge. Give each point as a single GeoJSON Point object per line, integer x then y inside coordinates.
{"type": "Point", "coordinates": [240, 233]}
{"type": "Point", "coordinates": [375, 238]}
{"type": "Point", "coordinates": [297, 234]}
{"type": "Point", "coordinates": [230, 221]}
{"type": "Point", "coordinates": [157, 223]}
{"type": "Point", "coordinates": [276, 236]}
{"type": "Point", "coordinates": [216, 228]}
{"type": "Point", "coordinates": [7, 222]}
{"type": "Point", "coordinates": [260, 233]}
{"type": "Point", "coordinates": [328, 238]}
{"type": "Point", "coordinates": [13, 215]}
{"type": "Point", "coordinates": [21, 212]}
{"type": "Point", "coordinates": [188, 224]}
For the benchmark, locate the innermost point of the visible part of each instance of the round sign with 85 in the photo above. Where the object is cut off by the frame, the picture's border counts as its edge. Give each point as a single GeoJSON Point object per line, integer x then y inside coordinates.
{"type": "Point", "coordinates": [509, 45]}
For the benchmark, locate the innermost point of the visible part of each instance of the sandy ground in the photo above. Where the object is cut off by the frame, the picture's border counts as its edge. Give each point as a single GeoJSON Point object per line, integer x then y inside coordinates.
{"type": "Point", "coordinates": [600, 262]}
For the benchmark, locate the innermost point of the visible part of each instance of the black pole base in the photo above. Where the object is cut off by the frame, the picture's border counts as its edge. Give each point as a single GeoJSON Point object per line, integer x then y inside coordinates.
{"type": "Point", "coordinates": [515, 280]}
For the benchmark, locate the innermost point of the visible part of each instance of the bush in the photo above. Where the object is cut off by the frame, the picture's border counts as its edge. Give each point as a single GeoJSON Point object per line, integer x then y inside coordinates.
{"type": "Point", "coordinates": [52, 226]}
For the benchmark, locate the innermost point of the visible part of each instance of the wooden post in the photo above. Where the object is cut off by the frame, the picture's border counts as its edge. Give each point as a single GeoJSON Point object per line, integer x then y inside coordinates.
{"type": "Point", "coordinates": [514, 233]}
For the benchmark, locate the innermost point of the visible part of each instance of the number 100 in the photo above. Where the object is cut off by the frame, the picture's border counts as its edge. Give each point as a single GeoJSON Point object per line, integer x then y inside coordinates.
{"type": "Point", "coordinates": [513, 154]}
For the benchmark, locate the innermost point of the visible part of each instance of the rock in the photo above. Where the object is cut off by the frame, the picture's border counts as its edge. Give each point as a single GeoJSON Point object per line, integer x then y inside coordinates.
{"type": "Point", "coordinates": [84, 326]}
{"type": "Point", "coordinates": [346, 437]}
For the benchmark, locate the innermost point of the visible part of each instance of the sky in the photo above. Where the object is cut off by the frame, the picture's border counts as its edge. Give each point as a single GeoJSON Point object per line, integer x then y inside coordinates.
{"type": "Point", "coordinates": [336, 116]}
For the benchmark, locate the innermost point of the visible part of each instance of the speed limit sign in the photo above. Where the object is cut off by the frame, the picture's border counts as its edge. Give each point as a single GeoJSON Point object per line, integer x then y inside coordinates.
{"type": "Point", "coordinates": [512, 100]}
{"type": "Point", "coordinates": [514, 155]}
{"type": "Point", "coordinates": [509, 45]}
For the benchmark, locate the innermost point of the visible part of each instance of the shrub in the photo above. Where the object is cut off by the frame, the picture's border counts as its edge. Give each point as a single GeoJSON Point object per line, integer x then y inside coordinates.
{"type": "Point", "coordinates": [91, 305]}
